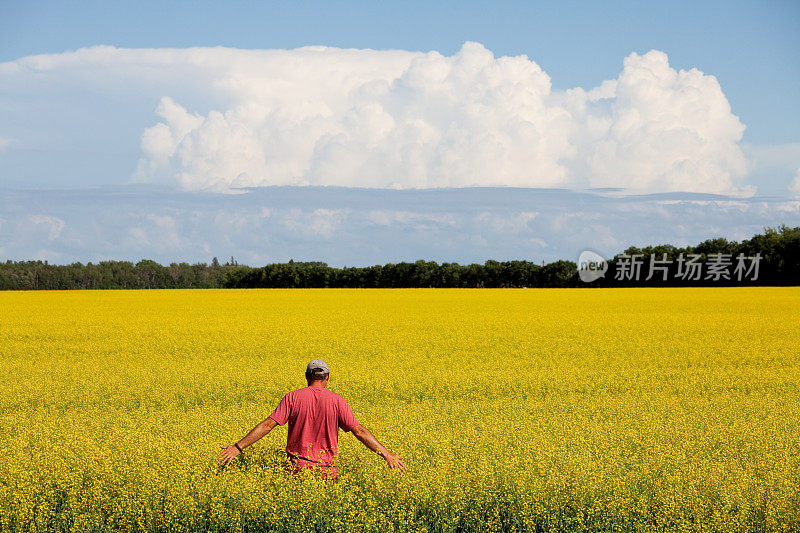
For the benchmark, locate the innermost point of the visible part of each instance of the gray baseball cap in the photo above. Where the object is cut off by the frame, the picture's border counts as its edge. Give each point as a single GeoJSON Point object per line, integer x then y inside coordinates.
{"type": "Point", "coordinates": [318, 364]}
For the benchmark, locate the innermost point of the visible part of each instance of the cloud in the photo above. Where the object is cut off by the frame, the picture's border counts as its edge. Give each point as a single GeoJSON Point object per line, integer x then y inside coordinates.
{"type": "Point", "coordinates": [50, 224]}
{"type": "Point", "coordinates": [795, 185]}
{"type": "Point", "coordinates": [778, 156]}
{"type": "Point", "coordinates": [773, 167]}
{"type": "Point", "coordinates": [466, 120]}
{"type": "Point", "coordinates": [507, 222]}
{"type": "Point", "coordinates": [417, 220]}
{"type": "Point", "coordinates": [656, 129]}
{"type": "Point", "coordinates": [158, 232]}
{"type": "Point", "coordinates": [350, 226]}
{"type": "Point", "coordinates": [317, 223]}
{"type": "Point", "coordinates": [165, 226]}
{"type": "Point", "coordinates": [227, 118]}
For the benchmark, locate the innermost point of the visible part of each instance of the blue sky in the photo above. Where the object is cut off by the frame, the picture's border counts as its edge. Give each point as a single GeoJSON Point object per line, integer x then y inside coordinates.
{"type": "Point", "coordinates": [753, 48]}
{"type": "Point", "coordinates": [606, 97]}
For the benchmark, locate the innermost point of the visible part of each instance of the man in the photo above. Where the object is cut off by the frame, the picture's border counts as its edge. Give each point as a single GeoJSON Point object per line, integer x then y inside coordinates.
{"type": "Point", "coordinates": [315, 415]}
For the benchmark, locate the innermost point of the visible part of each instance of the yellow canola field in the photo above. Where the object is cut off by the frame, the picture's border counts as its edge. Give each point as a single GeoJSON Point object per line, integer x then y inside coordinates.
{"type": "Point", "coordinates": [584, 409]}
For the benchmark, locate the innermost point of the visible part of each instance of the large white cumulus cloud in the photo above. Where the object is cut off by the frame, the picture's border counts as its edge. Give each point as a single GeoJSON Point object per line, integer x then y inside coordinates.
{"type": "Point", "coordinates": [397, 119]}
{"type": "Point", "coordinates": [325, 116]}
{"type": "Point", "coordinates": [657, 129]}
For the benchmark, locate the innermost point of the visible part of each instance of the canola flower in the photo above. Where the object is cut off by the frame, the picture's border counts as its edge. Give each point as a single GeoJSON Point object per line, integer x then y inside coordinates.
{"type": "Point", "coordinates": [515, 410]}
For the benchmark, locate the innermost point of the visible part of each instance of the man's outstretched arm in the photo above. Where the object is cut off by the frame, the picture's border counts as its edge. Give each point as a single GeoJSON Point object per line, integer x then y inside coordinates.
{"type": "Point", "coordinates": [369, 440]}
{"type": "Point", "coordinates": [229, 452]}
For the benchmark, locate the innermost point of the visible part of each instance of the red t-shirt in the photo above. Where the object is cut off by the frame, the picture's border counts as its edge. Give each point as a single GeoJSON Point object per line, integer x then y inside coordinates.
{"type": "Point", "coordinates": [315, 415]}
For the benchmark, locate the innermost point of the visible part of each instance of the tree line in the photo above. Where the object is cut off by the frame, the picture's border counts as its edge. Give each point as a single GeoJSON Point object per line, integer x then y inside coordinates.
{"type": "Point", "coordinates": [777, 249]}
{"type": "Point", "coordinates": [776, 252]}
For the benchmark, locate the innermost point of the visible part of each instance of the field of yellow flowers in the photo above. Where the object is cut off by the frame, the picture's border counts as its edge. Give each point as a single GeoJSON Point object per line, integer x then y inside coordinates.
{"type": "Point", "coordinates": [584, 409]}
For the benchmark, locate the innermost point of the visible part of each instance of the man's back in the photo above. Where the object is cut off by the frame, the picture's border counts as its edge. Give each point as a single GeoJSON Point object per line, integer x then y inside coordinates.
{"type": "Point", "coordinates": [315, 415]}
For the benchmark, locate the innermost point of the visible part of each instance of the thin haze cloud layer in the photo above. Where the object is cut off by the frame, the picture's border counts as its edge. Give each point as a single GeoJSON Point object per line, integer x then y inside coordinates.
{"type": "Point", "coordinates": [231, 118]}
{"type": "Point", "coordinates": [352, 226]}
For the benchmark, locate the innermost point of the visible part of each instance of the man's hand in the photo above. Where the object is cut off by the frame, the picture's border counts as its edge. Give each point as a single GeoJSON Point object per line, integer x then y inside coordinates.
{"type": "Point", "coordinates": [369, 440]}
{"type": "Point", "coordinates": [227, 454]}
{"type": "Point", "coordinates": [395, 461]}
